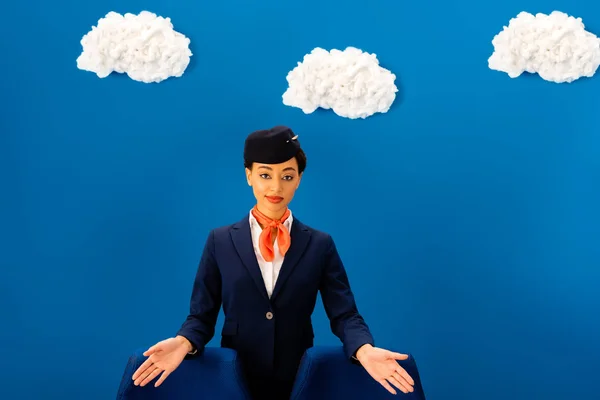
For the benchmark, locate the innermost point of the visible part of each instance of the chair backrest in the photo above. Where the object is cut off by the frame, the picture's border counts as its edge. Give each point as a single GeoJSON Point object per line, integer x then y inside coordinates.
{"type": "Point", "coordinates": [214, 375]}
{"type": "Point", "coordinates": [326, 373]}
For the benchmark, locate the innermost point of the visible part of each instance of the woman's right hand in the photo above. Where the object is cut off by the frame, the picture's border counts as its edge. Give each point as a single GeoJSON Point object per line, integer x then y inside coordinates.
{"type": "Point", "coordinates": [165, 357]}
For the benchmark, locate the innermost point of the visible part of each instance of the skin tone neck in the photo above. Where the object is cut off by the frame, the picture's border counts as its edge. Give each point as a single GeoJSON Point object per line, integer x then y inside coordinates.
{"type": "Point", "coordinates": [276, 216]}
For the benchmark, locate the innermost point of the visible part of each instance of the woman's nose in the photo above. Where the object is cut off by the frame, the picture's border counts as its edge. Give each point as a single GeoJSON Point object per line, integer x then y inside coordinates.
{"type": "Point", "coordinates": [276, 187]}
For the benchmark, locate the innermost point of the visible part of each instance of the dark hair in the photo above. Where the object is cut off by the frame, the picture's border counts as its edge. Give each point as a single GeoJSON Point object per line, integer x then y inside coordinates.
{"type": "Point", "coordinates": [300, 158]}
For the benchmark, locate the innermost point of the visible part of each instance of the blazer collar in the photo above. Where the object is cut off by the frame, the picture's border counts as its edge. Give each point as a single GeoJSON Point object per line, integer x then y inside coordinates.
{"type": "Point", "coordinates": [242, 240]}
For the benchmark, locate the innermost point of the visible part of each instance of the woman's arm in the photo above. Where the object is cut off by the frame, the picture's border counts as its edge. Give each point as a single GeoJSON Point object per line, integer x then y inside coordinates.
{"type": "Point", "coordinates": [346, 322]}
{"type": "Point", "coordinates": [349, 326]}
{"type": "Point", "coordinates": [205, 303]}
{"type": "Point", "coordinates": [197, 330]}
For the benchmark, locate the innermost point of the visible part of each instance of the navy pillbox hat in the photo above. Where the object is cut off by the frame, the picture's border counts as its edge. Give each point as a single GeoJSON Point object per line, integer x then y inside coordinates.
{"type": "Point", "coordinates": [271, 146]}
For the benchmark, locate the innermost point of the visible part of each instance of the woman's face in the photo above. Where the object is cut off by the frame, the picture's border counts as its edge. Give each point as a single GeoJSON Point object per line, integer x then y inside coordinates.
{"type": "Point", "coordinates": [274, 186]}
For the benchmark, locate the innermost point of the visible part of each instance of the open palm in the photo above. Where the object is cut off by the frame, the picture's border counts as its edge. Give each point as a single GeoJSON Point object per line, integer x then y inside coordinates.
{"type": "Point", "coordinates": [165, 357]}
{"type": "Point", "coordinates": [381, 364]}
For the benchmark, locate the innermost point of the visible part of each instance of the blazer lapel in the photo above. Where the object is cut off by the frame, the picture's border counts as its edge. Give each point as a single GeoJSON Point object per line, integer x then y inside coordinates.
{"type": "Point", "coordinates": [300, 236]}
{"type": "Point", "coordinates": [242, 240]}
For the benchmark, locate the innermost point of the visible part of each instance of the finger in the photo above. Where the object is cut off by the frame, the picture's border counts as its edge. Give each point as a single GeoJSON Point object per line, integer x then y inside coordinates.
{"type": "Point", "coordinates": [144, 375]}
{"type": "Point", "coordinates": [142, 368]}
{"type": "Point", "coordinates": [403, 382]}
{"type": "Point", "coordinates": [399, 385]}
{"type": "Point", "coordinates": [405, 375]}
{"type": "Point", "coordinates": [162, 378]}
{"type": "Point", "coordinates": [386, 385]}
{"type": "Point", "coordinates": [397, 356]}
{"type": "Point", "coordinates": [152, 349]}
{"type": "Point", "coordinates": [150, 377]}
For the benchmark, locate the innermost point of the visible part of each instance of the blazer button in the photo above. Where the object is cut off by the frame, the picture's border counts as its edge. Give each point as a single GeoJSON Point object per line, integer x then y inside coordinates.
{"type": "Point", "coordinates": [269, 315]}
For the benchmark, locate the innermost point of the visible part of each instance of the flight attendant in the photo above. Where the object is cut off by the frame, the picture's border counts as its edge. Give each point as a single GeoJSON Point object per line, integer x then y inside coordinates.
{"type": "Point", "coordinates": [266, 271]}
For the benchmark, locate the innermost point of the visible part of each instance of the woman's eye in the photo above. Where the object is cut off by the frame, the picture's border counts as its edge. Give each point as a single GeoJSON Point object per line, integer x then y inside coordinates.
{"type": "Point", "coordinates": [265, 176]}
{"type": "Point", "coordinates": [288, 177]}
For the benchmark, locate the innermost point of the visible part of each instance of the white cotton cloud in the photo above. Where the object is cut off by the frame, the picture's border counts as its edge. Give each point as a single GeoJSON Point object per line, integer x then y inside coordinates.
{"type": "Point", "coordinates": [143, 46]}
{"type": "Point", "coordinates": [556, 47]}
{"type": "Point", "coordinates": [349, 82]}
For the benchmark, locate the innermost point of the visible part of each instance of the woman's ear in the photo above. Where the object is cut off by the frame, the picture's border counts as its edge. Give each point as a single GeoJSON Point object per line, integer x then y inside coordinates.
{"type": "Point", "coordinates": [248, 173]}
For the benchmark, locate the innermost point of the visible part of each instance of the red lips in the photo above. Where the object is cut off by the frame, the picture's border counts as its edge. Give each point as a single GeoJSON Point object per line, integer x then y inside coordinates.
{"type": "Point", "coordinates": [275, 199]}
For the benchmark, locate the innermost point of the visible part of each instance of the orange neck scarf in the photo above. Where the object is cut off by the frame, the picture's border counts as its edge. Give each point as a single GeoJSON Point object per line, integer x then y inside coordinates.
{"type": "Point", "coordinates": [266, 236]}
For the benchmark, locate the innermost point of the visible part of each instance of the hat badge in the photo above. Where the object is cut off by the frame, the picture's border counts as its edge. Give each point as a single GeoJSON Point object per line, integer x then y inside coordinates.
{"type": "Point", "coordinates": [294, 138]}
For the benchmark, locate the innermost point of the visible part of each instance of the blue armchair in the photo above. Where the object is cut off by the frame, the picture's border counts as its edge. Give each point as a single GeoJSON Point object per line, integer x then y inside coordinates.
{"type": "Point", "coordinates": [215, 375]}
{"type": "Point", "coordinates": [324, 373]}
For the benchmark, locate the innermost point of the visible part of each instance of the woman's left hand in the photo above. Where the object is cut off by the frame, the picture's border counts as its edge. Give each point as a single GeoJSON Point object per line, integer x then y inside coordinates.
{"type": "Point", "coordinates": [381, 364]}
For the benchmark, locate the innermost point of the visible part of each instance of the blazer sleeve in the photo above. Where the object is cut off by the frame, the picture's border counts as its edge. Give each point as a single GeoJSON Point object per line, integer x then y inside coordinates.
{"type": "Point", "coordinates": [205, 303]}
{"type": "Point", "coordinates": [338, 300]}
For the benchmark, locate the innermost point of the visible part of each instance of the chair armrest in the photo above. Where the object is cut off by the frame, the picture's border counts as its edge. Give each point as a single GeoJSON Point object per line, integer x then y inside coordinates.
{"type": "Point", "coordinates": [326, 373]}
{"type": "Point", "coordinates": [213, 374]}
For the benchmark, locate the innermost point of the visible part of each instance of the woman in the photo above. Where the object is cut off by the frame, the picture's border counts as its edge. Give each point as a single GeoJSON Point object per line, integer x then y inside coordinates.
{"type": "Point", "coordinates": [266, 270]}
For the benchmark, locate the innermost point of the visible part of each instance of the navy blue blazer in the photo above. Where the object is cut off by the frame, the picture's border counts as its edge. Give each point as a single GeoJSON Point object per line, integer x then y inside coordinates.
{"type": "Point", "coordinates": [271, 334]}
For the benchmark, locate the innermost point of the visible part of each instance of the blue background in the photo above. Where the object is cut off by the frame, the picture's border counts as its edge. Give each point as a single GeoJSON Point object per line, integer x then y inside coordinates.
{"type": "Point", "coordinates": [468, 216]}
